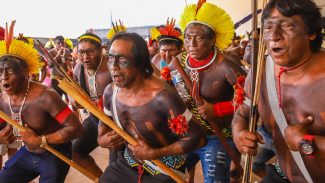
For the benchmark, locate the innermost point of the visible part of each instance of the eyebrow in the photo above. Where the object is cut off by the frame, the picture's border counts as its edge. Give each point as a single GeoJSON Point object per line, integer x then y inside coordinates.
{"type": "Point", "coordinates": [117, 55]}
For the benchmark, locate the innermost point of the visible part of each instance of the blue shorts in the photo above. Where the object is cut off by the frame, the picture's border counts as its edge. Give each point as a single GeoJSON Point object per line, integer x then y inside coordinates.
{"type": "Point", "coordinates": [25, 166]}
{"type": "Point", "coordinates": [87, 142]}
{"type": "Point", "coordinates": [214, 159]}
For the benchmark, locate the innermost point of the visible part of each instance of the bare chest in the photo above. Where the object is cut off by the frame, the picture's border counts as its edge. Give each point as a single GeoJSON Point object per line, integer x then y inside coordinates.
{"type": "Point", "coordinates": [214, 86]}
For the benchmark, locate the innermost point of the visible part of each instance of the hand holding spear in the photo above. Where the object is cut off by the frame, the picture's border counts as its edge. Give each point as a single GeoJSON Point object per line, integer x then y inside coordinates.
{"type": "Point", "coordinates": [92, 177]}
{"type": "Point", "coordinates": [87, 104]}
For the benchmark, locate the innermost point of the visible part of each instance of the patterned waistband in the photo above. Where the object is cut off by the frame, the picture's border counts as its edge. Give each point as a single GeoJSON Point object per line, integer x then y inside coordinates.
{"type": "Point", "coordinates": [174, 162]}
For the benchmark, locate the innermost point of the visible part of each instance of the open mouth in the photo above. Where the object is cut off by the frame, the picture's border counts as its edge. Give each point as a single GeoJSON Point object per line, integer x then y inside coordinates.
{"type": "Point", "coordinates": [278, 50]}
{"type": "Point", "coordinates": [115, 77]}
{"type": "Point", "coordinates": [7, 86]}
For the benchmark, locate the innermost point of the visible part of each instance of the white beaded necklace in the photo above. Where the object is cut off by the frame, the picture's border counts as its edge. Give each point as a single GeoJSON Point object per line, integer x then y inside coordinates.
{"type": "Point", "coordinates": [17, 116]}
{"type": "Point", "coordinates": [194, 74]}
{"type": "Point", "coordinates": [92, 82]}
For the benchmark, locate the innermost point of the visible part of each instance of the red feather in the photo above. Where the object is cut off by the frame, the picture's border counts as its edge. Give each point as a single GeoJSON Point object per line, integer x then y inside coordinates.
{"type": "Point", "coordinates": [9, 34]}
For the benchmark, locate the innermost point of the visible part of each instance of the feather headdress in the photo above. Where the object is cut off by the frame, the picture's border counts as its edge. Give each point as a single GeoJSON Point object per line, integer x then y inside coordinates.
{"type": "Point", "coordinates": [116, 28]}
{"type": "Point", "coordinates": [2, 33]}
{"type": "Point", "coordinates": [212, 16]}
{"type": "Point", "coordinates": [20, 49]}
{"type": "Point", "coordinates": [168, 31]}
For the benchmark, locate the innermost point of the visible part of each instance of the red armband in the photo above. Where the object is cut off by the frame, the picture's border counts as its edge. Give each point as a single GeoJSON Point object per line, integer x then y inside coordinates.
{"type": "Point", "coordinates": [100, 104]}
{"type": "Point", "coordinates": [63, 114]}
{"type": "Point", "coordinates": [223, 108]}
{"type": "Point", "coordinates": [2, 120]}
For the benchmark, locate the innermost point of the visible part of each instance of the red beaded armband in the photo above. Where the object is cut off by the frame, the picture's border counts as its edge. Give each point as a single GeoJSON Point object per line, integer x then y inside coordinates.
{"type": "Point", "coordinates": [2, 120]}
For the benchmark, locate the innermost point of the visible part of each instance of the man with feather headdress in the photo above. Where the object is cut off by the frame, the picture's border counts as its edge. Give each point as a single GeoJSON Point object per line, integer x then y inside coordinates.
{"type": "Point", "coordinates": [208, 30]}
{"type": "Point", "coordinates": [46, 118]}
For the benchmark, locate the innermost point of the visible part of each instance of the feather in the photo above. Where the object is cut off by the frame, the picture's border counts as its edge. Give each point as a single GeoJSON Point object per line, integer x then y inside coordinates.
{"type": "Point", "coordinates": [212, 16]}
{"type": "Point", "coordinates": [11, 33]}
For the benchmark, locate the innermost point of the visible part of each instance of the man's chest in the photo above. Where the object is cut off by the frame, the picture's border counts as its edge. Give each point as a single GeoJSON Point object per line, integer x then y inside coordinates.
{"type": "Point", "coordinates": [214, 86]}
{"type": "Point", "coordinates": [141, 118]}
{"type": "Point", "coordinates": [298, 102]}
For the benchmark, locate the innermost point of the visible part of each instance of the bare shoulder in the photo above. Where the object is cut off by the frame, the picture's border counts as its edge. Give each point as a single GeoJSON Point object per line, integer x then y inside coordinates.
{"type": "Point", "coordinates": [155, 60]}
{"type": "Point", "coordinates": [108, 92]}
{"type": "Point", "coordinates": [44, 95]}
{"type": "Point", "coordinates": [167, 96]}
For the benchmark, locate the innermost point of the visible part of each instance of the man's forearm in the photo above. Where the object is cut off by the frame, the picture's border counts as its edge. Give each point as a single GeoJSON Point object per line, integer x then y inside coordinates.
{"type": "Point", "coordinates": [240, 120]}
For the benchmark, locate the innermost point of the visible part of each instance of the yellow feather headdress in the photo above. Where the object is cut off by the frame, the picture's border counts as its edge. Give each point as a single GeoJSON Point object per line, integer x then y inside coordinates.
{"type": "Point", "coordinates": [116, 29]}
{"type": "Point", "coordinates": [21, 50]}
{"type": "Point", "coordinates": [68, 42]}
{"type": "Point", "coordinates": [211, 16]}
{"type": "Point", "coordinates": [168, 31]}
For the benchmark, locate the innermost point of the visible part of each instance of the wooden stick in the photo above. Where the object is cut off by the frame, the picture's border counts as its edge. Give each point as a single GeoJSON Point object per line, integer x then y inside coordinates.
{"type": "Point", "coordinates": [257, 73]}
{"type": "Point", "coordinates": [88, 174]}
{"type": "Point", "coordinates": [87, 104]}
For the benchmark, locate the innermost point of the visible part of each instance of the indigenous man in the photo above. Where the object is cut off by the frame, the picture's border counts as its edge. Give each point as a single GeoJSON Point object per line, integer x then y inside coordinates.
{"type": "Point", "coordinates": [61, 55]}
{"type": "Point", "coordinates": [93, 76]}
{"type": "Point", "coordinates": [213, 76]}
{"type": "Point", "coordinates": [170, 44]}
{"type": "Point", "coordinates": [148, 109]}
{"type": "Point", "coordinates": [292, 34]}
{"type": "Point", "coordinates": [47, 119]}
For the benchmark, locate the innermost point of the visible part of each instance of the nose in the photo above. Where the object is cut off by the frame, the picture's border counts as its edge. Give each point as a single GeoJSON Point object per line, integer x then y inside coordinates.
{"type": "Point", "coordinates": [276, 34]}
{"type": "Point", "coordinates": [113, 64]}
{"type": "Point", "coordinates": [192, 41]}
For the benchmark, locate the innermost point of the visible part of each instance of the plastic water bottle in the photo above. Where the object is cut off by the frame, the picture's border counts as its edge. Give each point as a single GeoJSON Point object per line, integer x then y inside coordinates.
{"type": "Point", "coordinates": [179, 85]}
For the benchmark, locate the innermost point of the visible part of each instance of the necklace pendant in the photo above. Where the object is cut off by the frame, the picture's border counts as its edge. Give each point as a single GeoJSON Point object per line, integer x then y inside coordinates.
{"type": "Point", "coordinates": [194, 75]}
{"type": "Point", "coordinates": [17, 117]}
{"type": "Point", "coordinates": [91, 80]}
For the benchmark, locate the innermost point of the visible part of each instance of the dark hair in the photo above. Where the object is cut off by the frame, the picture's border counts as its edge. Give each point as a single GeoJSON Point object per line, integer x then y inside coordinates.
{"type": "Point", "coordinates": [309, 12]}
{"type": "Point", "coordinates": [174, 41]}
{"type": "Point", "coordinates": [59, 38]}
{"type": "Point", "coordinates": [206, 29]}
{"type": "Point", "coordinates": [93, 42]}
{"type": "Point", "coordinates": [139, 51]}
{"type": "Point", "coordinates": [16, 60]}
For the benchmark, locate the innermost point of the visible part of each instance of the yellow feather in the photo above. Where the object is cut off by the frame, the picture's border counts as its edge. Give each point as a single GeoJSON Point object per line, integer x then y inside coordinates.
{"type": "Point", "coordinates": [188, 15]}
{"type": "Point", "coordinates": [154, 33]}
{"type": "Point", "coordinates": [26, 52]}
{"type": "Point", "coordinates": [111, 33]}
{"type": "Point", "coordinates": [213, 16]}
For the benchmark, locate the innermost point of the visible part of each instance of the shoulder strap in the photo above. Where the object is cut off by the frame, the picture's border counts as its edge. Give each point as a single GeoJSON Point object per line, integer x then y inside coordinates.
{"type": "Point", "coordinates": [115, 90]}
{"type": "Point", "coordinates": [279, 115]}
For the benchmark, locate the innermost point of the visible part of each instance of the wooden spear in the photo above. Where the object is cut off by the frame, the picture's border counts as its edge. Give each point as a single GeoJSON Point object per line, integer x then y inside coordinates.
{"type": "Point", "coordinates": [92, 177]}
{"type": "Point", "coordinates": [257, 73]}
{"type": "Point", "coordinates": [87, 104]}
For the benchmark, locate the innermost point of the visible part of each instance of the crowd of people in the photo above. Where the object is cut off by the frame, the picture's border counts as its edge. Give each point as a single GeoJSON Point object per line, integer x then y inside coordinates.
{"type": "Point", "coordinates": [184, 95]}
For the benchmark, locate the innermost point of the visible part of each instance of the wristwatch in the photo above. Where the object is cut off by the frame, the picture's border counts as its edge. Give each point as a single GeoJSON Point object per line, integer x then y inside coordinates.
{"type": "Point", "coordinates": [43, 142]}
{"type": "Point", "coordinates": [307, 146]}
